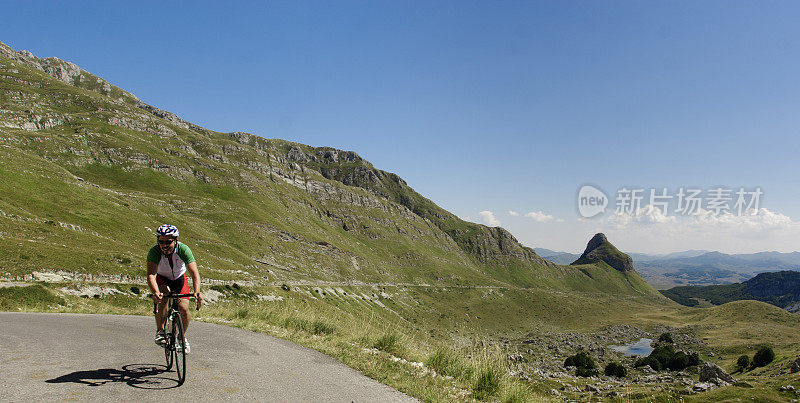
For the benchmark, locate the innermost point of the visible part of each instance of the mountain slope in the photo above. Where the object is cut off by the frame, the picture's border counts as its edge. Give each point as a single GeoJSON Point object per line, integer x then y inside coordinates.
{"type": "Point", "coordinates": [781, 289]}
{"type": "Point", "coordinates": [89, 171]}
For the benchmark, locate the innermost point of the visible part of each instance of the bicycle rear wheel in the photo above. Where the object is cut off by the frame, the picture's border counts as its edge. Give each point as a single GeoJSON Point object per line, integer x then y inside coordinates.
{"type": "Point", "coordinates": [169, 343]}
{"type": "Point", "coordinates": [180, 348]}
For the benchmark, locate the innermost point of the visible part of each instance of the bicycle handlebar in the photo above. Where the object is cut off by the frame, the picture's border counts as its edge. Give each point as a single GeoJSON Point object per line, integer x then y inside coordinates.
{"type": "Point", "coordinates": [176, 296]}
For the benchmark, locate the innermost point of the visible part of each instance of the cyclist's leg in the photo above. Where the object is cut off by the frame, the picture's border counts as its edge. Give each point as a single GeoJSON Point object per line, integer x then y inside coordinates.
{"type": "Point", "coordinates": [183, 307]}
{"type": "Point", "coordinates": [161, 315]}
{"type": "Point", "coordinates": [183, 303]}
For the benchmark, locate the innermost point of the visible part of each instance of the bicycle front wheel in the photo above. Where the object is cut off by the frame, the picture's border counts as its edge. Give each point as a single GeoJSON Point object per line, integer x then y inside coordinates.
{"type": "Point", "coordinates": [169, 344]}
{"type": "Point", "coordinates": [180, 348]}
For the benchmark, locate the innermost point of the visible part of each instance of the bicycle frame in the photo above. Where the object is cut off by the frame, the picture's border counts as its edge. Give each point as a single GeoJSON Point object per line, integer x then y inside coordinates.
{"type": "Point", "coordinates": [174, 329]}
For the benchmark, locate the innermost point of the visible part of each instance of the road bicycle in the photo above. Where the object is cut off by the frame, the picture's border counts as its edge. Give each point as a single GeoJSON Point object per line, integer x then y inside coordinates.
{"type": "Point", "coordinates": [175, 344]}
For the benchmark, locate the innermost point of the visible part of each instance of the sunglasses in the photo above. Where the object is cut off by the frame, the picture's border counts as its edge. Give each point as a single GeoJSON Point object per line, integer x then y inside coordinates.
{"type": "Point", "coordinates": [160, 242]}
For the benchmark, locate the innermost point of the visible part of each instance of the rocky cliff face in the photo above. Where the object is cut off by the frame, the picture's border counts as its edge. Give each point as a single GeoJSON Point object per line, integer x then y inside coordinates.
{"type": "Point", "coordinates": [484, 243]}
{"type": "Point", "coordinates": [600, 249]}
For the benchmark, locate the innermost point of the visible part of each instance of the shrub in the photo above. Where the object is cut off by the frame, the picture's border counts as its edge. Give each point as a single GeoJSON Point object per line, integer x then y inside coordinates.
{"type": "Point", "coordinates": [616, 369]}
{"type": "Point", "coordinates": [679, 361]}
{"type": "Point", "coordinates": [665, 338]}
{"type": "Point", "coordinates": [584, 365]}
{"type": "Point", "coordinates": [663, 354]}
{"type": "Point", "coordinates": [652, 362]}
{"type": "Point", "coordinates": [580, 360]}
{"type": "Point", "coordinates": [586, 372]}
{"type": "Point", "coordinates": [694, 359]}
{"type": "Point", "coordinates": [743, 362]}
{"type": "Point", "coordinates": [763, 356]}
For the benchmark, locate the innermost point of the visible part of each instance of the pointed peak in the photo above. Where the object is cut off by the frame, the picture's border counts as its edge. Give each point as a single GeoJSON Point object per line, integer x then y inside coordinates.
{"type": "Point", "coordinates": [600, 249]}
{"type": "Point", "coordinates": [597, 240]}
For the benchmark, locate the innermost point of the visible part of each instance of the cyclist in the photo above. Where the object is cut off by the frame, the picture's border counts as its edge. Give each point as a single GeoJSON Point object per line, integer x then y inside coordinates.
{"type": "Point", "coordinates": [167, 264]}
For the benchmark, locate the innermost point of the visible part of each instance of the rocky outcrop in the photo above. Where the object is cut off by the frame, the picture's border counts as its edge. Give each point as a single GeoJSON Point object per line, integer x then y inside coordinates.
{"type": "Point", "coordinates": [71, 74]}
{"type": "Point", "coordinates": [599, 249]}
{"type": "Point", "coordinates": [795, 366]}
{"type": "Point", "coordinates": [484, 243]}
{"type": "Point", "coordinates": [710, 372]}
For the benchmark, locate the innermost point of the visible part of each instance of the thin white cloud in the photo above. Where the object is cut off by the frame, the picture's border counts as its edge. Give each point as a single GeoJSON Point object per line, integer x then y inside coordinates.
{"type": "Point", "coordinates": [489, 218]}
{"type": "Point", "coordinates": [750, 220]}
{"type": "Point", "coordinates": [646, 215]}
{"type": "Point", "coordinates": [513, 213]}
{"type": "Point", "coordinates": [539, 216]}
{"type": "Point", "coordinates": [755, 230]}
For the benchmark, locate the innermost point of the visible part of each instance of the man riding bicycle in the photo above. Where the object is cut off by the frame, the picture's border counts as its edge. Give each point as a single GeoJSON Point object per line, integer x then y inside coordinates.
{"type": "Point", "coordinates": [167, 264]}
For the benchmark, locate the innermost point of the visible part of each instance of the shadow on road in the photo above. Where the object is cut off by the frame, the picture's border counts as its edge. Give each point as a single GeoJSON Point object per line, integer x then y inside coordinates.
{"type": "Point", "coordinates": [142, 376]}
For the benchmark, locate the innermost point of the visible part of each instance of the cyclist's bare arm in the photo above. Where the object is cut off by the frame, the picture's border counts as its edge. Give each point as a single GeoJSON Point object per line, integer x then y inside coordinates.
{"type": "Point", "coordinates": [192, 269]}
{"type": "Point", "coordinates": [152, 269]}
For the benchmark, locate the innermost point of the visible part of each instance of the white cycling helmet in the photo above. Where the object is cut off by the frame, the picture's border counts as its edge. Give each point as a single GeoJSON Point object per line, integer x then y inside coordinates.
{"type": "Point", "coordinates": [169, 230]}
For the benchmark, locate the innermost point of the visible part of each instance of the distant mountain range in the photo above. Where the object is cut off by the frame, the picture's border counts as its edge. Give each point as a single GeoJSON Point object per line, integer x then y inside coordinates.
{"type": "Point", "coordinates": [781, 289]}
{"type": "Point", "coordinates": [696, 267]}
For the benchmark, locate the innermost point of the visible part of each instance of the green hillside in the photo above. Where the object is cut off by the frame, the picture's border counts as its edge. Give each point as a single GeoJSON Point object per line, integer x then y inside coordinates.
{"type": "Point", "coordinates": [781, 289]}
{"type": "Point", "coordinates": [312, 244]}
{"type": "Point", "coordinates": [90, 167]}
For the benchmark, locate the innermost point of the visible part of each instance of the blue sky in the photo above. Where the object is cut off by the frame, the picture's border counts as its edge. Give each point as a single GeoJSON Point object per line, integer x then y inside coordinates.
{"type": "Point", "coordinates": [482, 106]}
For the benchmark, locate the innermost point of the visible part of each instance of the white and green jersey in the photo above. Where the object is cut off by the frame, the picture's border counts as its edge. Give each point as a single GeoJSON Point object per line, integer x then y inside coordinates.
{"type": "Point", "coordinates": [180, 258]}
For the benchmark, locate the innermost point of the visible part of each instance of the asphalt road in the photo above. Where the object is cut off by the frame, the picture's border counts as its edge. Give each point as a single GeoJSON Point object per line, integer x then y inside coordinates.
{"type": "Point", "coordinates": [112, 357]}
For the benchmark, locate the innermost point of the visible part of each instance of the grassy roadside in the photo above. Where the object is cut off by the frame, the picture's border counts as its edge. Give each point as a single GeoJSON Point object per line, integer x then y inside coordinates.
{"type": "Point", "coordinates": [405, 355]}
{"type": "Point", "coordinates": [380, 347]}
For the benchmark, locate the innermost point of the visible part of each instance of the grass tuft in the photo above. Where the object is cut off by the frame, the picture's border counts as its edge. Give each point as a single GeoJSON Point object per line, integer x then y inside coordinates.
{"type": "Point", "coordinates": [487, 381]}
{"type": "Point", "coordinates": [516, 393]}
{"type": "Point", "coordinates": [319, 327]}
{"type": "Point", "coordinates": [446, 362]}
{"type": "Point", "coordinates": [389, 342]}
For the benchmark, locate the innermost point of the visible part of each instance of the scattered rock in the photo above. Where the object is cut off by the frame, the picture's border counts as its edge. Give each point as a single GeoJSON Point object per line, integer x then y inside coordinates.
{"type": "Point", "coordinates": [91, 291]}
{"type": "Point", "coordinates": [687, 391]}
{"type": "Point", "coordinates": [703, 386]}
{"type": "Point", "coordinates": [48, 277]}
{"type": "Point", "coordinates": [787, 388]}
{"type": "Point", "coordinates": [211, 296]}
{"type": "Point", "coordinates": [592, 388]}
{"type": "Point", "coordinates": [710, 372]}
{"type": "Point", "coordinates": [269, 298]}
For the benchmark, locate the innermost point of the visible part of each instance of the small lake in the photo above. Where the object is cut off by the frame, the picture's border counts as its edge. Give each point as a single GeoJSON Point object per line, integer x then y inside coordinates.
{"type": "Point", "coordinates": [639, 348]}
